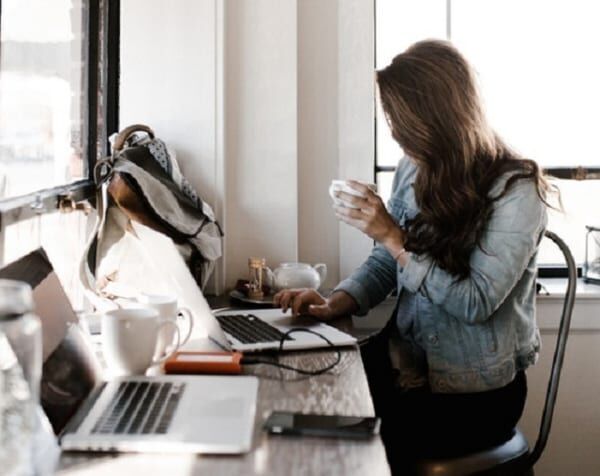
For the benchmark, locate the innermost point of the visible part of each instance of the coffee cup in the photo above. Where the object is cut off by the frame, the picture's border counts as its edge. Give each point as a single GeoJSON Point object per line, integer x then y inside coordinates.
{"type": "Point", "coordinates": [167, 309]}
{"type": "Point", "coordinates": [130, 337]}
{"type": "Point", "coordinates": [343, 186]}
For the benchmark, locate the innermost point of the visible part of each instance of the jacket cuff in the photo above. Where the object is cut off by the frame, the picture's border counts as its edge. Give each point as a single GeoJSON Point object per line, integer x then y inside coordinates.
{"type": "Point", "coordinates": [358, 292]}
{"type": "Point", "coordinates": [413, 274]}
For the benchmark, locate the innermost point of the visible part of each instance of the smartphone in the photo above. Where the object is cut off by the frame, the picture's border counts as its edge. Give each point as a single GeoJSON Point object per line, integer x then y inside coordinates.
{"type": "Point", "coordinates": [337, 426]}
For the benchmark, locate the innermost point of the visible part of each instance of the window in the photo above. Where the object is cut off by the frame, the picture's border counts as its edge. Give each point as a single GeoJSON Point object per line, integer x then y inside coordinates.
{"type": "Point", "coordinates": [58, 90]}
{"type": "Point", "coordinates": [538, 67]}
{"type": "Point", "coordinates": [42, 94]}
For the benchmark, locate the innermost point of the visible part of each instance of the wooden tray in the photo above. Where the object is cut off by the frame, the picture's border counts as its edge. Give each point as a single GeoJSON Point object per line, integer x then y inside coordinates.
{"type": "Point", "coordinates": [266, 301]}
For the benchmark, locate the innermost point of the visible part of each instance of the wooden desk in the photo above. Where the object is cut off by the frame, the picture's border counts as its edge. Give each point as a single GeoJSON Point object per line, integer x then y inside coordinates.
{"type": "Point", "coordinates": [344, 390]}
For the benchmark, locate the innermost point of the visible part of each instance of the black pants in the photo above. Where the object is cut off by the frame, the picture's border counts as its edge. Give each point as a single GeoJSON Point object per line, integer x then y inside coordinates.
{"type": "Point", "coordinates": [420, 424]}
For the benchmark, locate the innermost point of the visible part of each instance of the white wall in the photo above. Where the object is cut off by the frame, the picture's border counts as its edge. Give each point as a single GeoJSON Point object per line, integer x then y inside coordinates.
{"type": "Point", "coordinates": [355, 114]}
{"type": "Point", "coordinates": [335, 125]}
{"type": "Point", "coordinates": [168, 79]}
{"type": "Point", "coordinates": [261, 202]}
{"type": "Point", "coordinates": [299, 112]}
{"type": "Point", "coordinates": [265, 102]}
{"type": "Point", "coordinates": [317, 133]}
{"type": "Point", "coordinates": [573, 444]}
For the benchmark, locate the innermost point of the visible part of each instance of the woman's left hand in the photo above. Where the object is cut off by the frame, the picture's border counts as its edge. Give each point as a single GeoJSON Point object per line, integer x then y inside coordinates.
{"type": "Point", "coordinates": [371, 217]}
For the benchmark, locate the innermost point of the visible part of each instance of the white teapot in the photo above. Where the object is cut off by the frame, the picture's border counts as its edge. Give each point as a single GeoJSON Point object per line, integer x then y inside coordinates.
{"type": "Point", "coordinates": [297, 275]}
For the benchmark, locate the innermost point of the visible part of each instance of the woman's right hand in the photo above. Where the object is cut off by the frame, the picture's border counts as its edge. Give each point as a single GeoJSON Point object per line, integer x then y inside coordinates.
{"type": "Point", "coordinates": [309, 301]}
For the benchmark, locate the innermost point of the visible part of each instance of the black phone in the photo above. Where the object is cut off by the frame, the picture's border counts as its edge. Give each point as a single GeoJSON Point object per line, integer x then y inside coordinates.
{"type": "Point", "coordinates": [289, 423]}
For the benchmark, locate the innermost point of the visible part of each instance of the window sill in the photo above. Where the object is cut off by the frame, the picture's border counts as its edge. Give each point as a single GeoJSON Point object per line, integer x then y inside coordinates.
{"type": "Point", "coordinates": [585, 312]}
{"type": "Point", "coordinates": [556, 288]}
{"type": "Point", "coordinates": [586, 315]}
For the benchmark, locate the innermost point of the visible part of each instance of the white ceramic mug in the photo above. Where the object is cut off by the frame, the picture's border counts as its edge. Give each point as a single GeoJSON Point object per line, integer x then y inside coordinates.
{"type": "Point", "coordinates": [342, 186]}
{"type": "Point", "coordinates": [130, 337]}
{"type": "Point", "coordinates": [168, 310]}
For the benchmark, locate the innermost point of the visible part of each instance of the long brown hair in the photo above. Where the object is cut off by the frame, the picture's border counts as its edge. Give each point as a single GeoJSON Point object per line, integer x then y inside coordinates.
{"type": "Point", "coordinates": [430, 98]}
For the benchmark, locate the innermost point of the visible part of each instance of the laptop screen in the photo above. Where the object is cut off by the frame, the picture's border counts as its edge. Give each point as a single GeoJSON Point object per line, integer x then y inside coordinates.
{"type": "Point", "coordinates": [71, 369]}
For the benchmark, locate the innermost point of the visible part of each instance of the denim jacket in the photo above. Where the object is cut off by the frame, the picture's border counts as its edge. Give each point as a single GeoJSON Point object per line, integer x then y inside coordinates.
{"type": "Point", "coordinates": [475, 333]}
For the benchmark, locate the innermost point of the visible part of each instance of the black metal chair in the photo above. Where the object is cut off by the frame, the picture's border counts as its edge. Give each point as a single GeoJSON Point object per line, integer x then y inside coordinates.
{"type": "Point", "coordinates": [514, 457]}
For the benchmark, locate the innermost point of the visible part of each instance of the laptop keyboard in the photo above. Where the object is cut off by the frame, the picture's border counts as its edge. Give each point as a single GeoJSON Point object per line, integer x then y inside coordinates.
{"type": "Point", "coordinates": [140, 408]}
{"type": "Point", "coordinates": [249, 329]}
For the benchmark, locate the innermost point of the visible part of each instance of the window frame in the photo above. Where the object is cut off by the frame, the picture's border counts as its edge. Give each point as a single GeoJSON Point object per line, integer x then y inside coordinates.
{"type": "Point", "coordinates": [568, 173]}
{"type": "Point", "coordinates": [102, 103]}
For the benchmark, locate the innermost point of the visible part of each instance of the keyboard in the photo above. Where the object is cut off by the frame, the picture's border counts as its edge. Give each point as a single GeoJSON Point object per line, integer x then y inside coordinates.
{"type": "Point", "coordinates": [140, 408]}
{"type": "Point", "coordinates": [249, 329]}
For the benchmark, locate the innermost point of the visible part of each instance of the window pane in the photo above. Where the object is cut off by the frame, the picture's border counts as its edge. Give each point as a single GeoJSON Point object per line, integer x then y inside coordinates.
{"type": "Point", "coordinates": [580, 199]}
{"type": "Point", "coordinates": [400, 23]}
{"type": "Point", "coordinates": [42, 94]}
{"type": "Point", "coordinates": [384, 185]}
{"type": "Point", "coordinates": [539, 68]}
{"type": "Point", "coordinates": [388, 150]}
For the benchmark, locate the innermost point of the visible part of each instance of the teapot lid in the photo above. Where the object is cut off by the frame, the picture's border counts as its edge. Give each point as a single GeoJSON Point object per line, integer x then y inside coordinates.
{"type": "Point", "coordinates": [290, 264]}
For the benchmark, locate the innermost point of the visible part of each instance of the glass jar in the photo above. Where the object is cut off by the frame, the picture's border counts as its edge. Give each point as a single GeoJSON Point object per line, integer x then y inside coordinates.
{"type": "Point", "coordinates": [20, 374]}
{"type": "Point", "coordinates": [591, 265]}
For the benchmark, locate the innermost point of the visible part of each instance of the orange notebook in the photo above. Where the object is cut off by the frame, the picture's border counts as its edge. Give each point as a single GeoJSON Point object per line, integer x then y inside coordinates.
{"type": "Point", "coordinates": [204, 363]}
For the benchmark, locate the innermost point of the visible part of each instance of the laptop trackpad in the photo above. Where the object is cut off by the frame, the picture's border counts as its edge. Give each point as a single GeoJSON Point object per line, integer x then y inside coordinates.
{"type": "Point", "coordinates": [298, 321]}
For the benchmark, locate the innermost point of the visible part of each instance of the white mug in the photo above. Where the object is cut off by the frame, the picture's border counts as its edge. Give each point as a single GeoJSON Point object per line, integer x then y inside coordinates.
{"type": "Point", "coordinates": [168, 310]}
{"type": "Point", "coordinates": [342, 186]}
{"type": "Point", "coordinates": [130, 337]}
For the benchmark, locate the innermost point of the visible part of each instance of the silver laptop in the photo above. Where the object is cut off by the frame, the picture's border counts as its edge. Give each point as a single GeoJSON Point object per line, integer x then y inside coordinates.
{"type": "Point", "coordinates": [199, 414]}
{"type": "Point", "coordinates": [253, 330]}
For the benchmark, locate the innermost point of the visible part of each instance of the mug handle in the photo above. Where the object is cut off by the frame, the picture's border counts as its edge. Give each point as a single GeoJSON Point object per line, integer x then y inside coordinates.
{"type": "Point", "coordinates": [184, 311]}
{"type": "Point", "coordinates": [321, 268]}
{"type": "Point", "coordinates": [160, 360]}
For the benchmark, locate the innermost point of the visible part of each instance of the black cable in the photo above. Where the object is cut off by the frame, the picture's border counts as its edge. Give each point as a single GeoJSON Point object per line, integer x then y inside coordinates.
{"type": "Point", "coordinates": [247, 361]}
{"type": "Point", "coordinates": [365, 340]}
{"type": "Point", "coordinates": [359, 342]}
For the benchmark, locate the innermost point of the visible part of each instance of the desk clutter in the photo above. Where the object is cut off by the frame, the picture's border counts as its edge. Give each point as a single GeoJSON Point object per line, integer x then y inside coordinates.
{"type": "Point", "coordinates": [241, 293]}
{"type": "Point", "coordinates": [262, 282]}
{"type": "Point", "coordinates": [591, 265]}
{"type": "Point", "coordinates": [91, 409]}
{"type": "Point", "coordinates": [88, 412]}
{"type": "Point", "coordinates": [113, 404]}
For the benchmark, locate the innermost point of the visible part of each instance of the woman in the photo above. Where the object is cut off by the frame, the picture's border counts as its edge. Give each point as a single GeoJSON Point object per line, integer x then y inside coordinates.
{"type": "Point", "coordinates": [459, 242]}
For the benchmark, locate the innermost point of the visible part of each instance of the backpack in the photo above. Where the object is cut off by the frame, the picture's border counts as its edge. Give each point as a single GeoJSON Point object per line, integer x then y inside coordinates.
{"type": "Point", "coordinates": [141, 182]}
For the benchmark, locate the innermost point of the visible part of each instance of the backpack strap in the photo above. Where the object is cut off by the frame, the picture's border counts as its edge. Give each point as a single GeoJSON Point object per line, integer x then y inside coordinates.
{"type": "Point", "coordinates": [122, 136]}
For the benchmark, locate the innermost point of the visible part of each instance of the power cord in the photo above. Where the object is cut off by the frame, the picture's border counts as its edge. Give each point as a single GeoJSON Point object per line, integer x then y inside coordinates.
{"type": "Point", "coordinates": [251, 361]}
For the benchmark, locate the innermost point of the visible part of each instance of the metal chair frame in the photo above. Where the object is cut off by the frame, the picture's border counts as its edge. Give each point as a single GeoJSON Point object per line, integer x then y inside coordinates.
{"type": "Point", "coordinates": [559, 352]}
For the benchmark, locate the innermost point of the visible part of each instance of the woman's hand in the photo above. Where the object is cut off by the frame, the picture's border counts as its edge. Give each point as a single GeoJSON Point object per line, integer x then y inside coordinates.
{"type": "Point", "coordinates": [370, 216]}
{"type": "Point", "coordinates": [309, 301]}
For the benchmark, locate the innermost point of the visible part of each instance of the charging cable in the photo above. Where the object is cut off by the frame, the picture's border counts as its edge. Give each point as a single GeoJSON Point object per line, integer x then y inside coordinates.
{"type": "Point", "coordinates": [252, 361]}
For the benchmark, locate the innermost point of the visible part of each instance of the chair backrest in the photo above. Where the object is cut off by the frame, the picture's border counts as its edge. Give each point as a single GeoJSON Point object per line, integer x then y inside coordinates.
{"type": "Point", "coordinates": [559, 352]}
